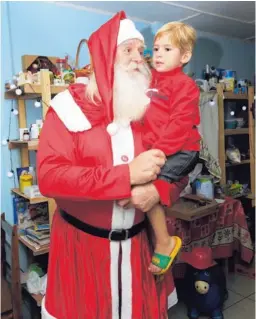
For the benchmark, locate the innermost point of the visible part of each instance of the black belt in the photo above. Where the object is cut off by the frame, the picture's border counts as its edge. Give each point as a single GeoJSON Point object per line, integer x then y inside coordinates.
{"type": "Point", "coordinates": [113, 234]}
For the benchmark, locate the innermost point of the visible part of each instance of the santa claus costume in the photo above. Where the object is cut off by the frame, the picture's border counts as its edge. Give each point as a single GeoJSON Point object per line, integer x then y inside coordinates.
{"type": "Point", "coordinates": [85, 169]}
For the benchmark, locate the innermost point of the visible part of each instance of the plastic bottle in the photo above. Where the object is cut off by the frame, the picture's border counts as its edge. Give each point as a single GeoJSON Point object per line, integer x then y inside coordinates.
{"type": "Point", "coordinates": [34, 131]}
{"type": "Point", "coordinates": [33, 173]}
{"type": "Point", "coordinates": [26, 135]}
{"type": "Point", "coordinates": [61, 65]}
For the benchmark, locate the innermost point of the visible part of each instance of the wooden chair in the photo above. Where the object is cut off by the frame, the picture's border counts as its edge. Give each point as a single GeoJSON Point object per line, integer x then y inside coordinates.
{"type": "Point", "coordinates": [11, 294]}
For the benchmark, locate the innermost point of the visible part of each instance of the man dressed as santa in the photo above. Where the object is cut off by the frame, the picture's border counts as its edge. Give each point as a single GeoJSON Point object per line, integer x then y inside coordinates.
{"type": "Point", "coordinates": [90, 157]}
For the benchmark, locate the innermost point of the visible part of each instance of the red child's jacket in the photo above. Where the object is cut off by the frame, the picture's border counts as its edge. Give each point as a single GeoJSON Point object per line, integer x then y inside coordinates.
{"type": "Point", "coordinates": [172, 118]}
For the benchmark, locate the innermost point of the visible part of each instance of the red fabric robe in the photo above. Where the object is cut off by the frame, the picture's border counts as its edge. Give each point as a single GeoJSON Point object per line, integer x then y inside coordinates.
{"type": "Point", "coordinates": [85, 170]}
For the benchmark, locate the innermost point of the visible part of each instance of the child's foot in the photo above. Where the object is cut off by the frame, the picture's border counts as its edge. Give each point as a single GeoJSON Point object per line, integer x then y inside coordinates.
{"type": "Point", "coordinates": [163, 249]}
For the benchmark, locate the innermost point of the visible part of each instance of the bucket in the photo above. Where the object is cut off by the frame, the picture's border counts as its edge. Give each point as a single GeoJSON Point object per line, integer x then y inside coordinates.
{"type": "Point", "coordinates": [26, 180]}
{"type": "Point", "coordinates": [204, 186]}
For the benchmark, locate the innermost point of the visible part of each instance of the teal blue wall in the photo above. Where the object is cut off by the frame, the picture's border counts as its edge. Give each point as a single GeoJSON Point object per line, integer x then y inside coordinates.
{"type": "Point", "coordinates": [48, 29]}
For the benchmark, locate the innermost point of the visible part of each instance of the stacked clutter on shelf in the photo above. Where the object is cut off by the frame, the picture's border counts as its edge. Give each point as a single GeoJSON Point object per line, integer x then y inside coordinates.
{"type": "Point", "coordinates": [32, 218]}
{"type": "Point", "coordinates": [39, 238]}
{"type": "Point", "coordinates": [33, 222]}
{"type": "Point", "coordinates": [28, 182]}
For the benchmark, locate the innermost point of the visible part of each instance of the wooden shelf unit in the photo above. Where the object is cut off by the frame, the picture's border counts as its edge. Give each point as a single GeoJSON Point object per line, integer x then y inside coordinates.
{"type": "Point", "coordinates": [31, 91]}
{"type": "Point", "coordinates": [43, 91]}
{"type": "Point", "coordinates": [250, 131]}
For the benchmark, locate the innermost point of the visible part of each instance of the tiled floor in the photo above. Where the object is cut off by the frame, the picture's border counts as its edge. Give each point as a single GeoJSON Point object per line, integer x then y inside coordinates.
{"type": "Point", "coordinates": [240, 304]}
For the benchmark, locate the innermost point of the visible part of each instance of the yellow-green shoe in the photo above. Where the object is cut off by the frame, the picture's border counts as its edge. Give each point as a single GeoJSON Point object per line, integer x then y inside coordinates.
{"type": "Point", "coordinates": [164, 262]}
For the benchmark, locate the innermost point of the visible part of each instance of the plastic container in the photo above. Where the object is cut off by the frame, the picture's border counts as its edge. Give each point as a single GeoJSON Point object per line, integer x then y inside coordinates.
{"type": "Point", "coordinates": [26, 180]}
{"type": "Point", "coordinates": [32, 172]}
{"type": "Point", "coordinates": [240, 122]}
{"type": "Point", "coordinates": [61, 66]}
{"type": "Point", "coordinates": [205, 186]}
{"type": "Point", "coordinates": [34, 131]}
{"type": "Point", "coordinates": [26, 135]}
{"type": "Point", "coordinates": [231, 124]}
{"type": "Point", "coordinates": [39, 123]}
{"type": "Point", "coordinates": [229, 77]}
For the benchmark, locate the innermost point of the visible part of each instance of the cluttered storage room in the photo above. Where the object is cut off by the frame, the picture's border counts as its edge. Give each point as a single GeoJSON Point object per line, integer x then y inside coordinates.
{"type": "Point", "coordinates": [84, 91]}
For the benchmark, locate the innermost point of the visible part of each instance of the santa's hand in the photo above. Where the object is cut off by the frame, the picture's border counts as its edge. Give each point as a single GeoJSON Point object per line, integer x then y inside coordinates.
{"type": "Point", "coordinates": [146, 166]}
{"type": "Point", "coordinates": [144, 197]}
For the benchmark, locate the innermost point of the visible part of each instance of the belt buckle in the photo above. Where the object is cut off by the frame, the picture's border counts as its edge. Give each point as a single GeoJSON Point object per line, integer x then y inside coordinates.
{"type": "Point", "coordinates": [118, 231]}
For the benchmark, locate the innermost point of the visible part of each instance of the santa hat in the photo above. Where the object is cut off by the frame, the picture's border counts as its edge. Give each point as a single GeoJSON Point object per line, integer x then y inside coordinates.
{"type": "Point", "coordinates": [128, 31]}
{"type": "Point", "coordinates": [102, 46]}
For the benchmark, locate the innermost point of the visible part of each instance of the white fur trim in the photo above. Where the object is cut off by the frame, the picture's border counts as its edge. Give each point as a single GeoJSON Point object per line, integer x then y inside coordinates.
{"type": "Point", "coordinates": [69, 112]}
{"type": "Point", "coordinates": [112, 129]}
{"type": "Point", "coordinates": [172, 299]}
{"type": "Point", "coordinates": [44, 313]}
{"type": "Point", "coordinates": [114, 255]}
{"type": "Point", "coordinates": [126, 277]}
{"type": "Point", "coordinates": [128, 31]}
{"type": "Point", "coordinates": [122, 218]}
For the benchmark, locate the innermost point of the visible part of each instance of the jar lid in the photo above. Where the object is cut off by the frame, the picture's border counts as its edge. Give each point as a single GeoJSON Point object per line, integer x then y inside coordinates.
{"type": "Point", "coordinates": [26, 177]}
{"type": "Point", "coordinates": [60, 61]}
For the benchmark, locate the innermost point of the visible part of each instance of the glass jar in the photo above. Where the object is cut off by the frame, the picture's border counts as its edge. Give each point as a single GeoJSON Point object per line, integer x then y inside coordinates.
{"type": "Point", "coordinates": [26, 135]}
{"type": "Point", "coordinates": [61, 65]}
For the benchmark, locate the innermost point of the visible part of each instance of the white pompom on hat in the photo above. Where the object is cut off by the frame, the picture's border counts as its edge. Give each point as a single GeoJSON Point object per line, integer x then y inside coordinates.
{"type": "Point", "coordinates": [128, 31]}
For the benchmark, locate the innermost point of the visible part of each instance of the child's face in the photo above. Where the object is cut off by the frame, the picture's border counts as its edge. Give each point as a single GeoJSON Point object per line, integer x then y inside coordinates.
{"type": "Point", "coordinates": [166, 57]}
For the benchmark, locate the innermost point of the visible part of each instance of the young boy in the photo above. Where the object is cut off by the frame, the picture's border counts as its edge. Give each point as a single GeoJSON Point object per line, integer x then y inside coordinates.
{"type": "Point", "coordinates": [171, 125]}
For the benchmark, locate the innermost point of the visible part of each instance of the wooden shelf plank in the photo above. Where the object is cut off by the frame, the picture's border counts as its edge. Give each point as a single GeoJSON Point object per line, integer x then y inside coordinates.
{"type": "Point", "coordinates": [237, 131]}
{"type": "Point", "coordinates": [235, 164]}
{"type": "Point", "coordinates": [33, 91]}
{"type": "Point", "coordinates": [35, 200]}
{"type": "Point", "coordinates": [249, 196]}
{"type": "Point", "coordinates": [36, 252]}
{"type": "Point", "coordinates": [233, 96]}
{"type": "Point", "coordinates": [31, 145]}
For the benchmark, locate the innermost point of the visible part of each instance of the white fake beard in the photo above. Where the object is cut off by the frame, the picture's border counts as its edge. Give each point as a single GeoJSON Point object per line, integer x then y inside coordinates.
{"type": "Point", "coordinates": [129, 93]}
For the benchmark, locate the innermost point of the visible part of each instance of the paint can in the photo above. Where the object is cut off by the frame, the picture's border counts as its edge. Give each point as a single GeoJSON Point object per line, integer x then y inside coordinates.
{"type": "Point", "coordinates": [205, 186]}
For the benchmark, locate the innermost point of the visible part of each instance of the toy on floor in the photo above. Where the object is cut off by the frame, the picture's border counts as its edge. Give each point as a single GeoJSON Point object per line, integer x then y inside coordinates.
{"type": "Point", "coordinates": [205, 284]}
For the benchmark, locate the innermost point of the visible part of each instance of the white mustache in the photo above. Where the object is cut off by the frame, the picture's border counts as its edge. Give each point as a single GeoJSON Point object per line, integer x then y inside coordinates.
{"type": "Point", "coordinates": [139, 67]}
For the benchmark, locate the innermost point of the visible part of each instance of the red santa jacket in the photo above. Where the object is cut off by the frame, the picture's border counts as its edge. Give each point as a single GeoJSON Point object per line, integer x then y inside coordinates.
{"type": "Point", "coordinates": [85, 170]}
{"type": "Point", "coordinates": [172, 118]}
